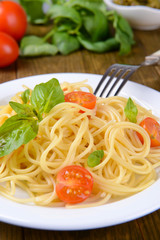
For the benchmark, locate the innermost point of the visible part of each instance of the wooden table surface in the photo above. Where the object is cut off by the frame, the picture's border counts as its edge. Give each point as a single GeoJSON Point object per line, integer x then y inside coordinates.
{"type": "Point", "coordinates": [145, 228]}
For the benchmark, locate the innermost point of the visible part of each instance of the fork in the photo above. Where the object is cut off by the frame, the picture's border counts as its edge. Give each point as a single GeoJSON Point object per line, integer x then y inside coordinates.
{"type": "Point", "coordinates": [120, 73]}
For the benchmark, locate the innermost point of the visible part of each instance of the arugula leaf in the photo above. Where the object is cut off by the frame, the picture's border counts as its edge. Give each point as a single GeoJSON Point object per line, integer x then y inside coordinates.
{"type": "Point", "coordinates": [65, 42]}
{"type": "Point", "coordinates": [15, 132]}
{"type": "Point", "coordinates": [95, 157]}
{"type": "Point", "coordinates": [131, 111]}
{"type": "Point", "coordinates": [46, 95]}
{"type": "Point", "coordinates": [36, 46]}
{"type": "Point", "coordinates": [23, 109]}
{"type": "Point", "coordinates": [25, 95]}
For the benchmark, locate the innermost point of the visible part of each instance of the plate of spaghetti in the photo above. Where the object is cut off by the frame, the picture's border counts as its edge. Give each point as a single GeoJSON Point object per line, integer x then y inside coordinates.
{"type": "Point", "coordinates": [73, 161]}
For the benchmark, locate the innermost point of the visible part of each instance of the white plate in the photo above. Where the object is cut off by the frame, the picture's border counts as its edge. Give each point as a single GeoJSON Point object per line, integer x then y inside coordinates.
{"type": "Point", "coordinates": [139, 17]}
{"type": "Point", "coordinates": [110, 214]}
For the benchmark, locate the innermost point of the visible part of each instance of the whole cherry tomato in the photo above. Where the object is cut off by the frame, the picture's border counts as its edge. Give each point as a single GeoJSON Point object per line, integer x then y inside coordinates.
{"type": "Point", "coordinates": [9, 49]}
{"type": "Point", "coordinates": [13, 19]}
{"type": "Point", "coordinates": [74, 184]}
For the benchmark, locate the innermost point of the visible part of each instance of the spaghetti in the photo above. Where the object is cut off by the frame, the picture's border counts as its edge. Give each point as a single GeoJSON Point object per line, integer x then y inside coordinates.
{"type": "Point", "coordinates": [66, 136]}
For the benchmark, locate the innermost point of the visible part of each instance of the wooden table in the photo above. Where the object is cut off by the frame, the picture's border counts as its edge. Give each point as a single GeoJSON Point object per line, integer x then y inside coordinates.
{"type": "Point", "coordinates": [145, 228]}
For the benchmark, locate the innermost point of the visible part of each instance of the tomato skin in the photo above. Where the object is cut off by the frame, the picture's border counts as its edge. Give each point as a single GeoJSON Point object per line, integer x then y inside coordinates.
{"type": "Point", "coordinates": [9, 49]}
{"type": "Point", "coordinates": [74, 184]}
{"type": "Point", "coordinates": [13, 19]}
{"type": "Point", "coordinates": [153, 129]}
{"type": "Point", "coordinates": [85, 99]}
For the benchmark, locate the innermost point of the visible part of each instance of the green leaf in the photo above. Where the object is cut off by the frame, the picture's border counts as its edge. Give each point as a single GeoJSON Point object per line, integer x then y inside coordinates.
{"type": "Point", "coordinates": [34, 10]}
{"type": "Point", "coordinates": [96, 25]}
{"type": "Point", "coordinates": [65, 27]}
{"type": "Point", "coordinates": [15, 132]}
{"type": "Point", "coordinates": [95, 157]}
{"type": "Point", "coordinates": [58, 1]}
{"type": "Point", "coordinates": [99, 47]}
{"type": "Point", "coordinates": [25, 95]}
{"type": "Point", "coordinates": [22, 109]}
{"type": "Point", "coordinates": [131, 111]}
{"type": "Point", "coordinates": [93, 18]}
{"type": "Point", "coordinates": [36, 46]}
{"type": "Point", "coordinates": [65, 42]}
{"type": "Point", "coordinates": [32, 46]}
{"type": "Point", "coordinates": [64, 12]}
{"type": "Point", "coordinates": [46, 95]}
{"type": "Point", "coordinates": [123, 33]}
{"type": "Point", "coordinates": [90, 5]}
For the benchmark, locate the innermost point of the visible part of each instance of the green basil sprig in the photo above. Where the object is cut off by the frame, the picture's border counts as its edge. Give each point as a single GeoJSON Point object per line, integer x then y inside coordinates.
{"type": "Point", "coordinates": [95, 158]}
{"type": "Point", "coordinates": [23, 127]}
{"type": "Point", "coordinates": [131, 111]}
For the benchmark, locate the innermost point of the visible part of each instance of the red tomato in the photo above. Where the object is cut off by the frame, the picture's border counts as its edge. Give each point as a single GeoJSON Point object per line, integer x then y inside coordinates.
{"type": "Point", "coordinates": [85, 99]}
{"type": "Point", "coordinates": [13, 19]}
{"type": "Point", "coordinates": [153, 129]}
{"type": "Point", "coordinates": [74, 184]}
{"type": "Point", "coordinates": [9, 49]}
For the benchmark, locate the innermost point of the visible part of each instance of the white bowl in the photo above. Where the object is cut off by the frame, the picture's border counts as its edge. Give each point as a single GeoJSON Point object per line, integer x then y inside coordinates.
{"type": "Point", "coordinates": [139, 17]}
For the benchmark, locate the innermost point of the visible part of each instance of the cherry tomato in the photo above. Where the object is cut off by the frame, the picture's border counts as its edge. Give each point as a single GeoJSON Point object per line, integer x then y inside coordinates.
{"type": "Point", "coordinates": [85, 99]}
{"type": "Point", "coordinates": [13, 19]}
{"type": "Point", "coordinates": [9, 49]}
{"type": "Point", "coordinates": [153, 129]}
{"type": "Point", "coordinates": [74, 184]}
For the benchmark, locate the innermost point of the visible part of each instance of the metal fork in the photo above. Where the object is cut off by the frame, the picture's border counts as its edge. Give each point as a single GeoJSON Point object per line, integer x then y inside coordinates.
{"type": "Point", "coordinates": [120, 73]}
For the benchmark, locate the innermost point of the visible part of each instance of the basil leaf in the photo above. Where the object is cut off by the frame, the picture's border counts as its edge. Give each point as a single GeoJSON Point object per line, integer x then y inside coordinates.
{"type": "Point", "coordinates": [131, 111]}
{"type": "Point", "coordinates": [90, 5]}
{"type": "Point", "coordinates": [22, 109]}
{"type": "Point", "coordinates": [46, 95]}
{"type": "Point", "coordinates": [15, 132]}
{"type": "Point", "coordinates": [123, 32]}
{"type": "Point", "coordinates": [65, 43]}
{"type": "Point", "coordinates": [96, 25]}
{"type": "Point", "coordinates": [34, 10]}
{"type": "Point", "coordinates": [99, 47]}
{"type": "Point", "coordinates": [64, 12]}
{"type": "Point", "coordinates": [94, 158]}
{"type": "Point", "coordinates": [58, 1]}
{"type": "Point", "coordinates": [25, 95]}
{"type": "Point", "coordinates": [32, 46]}
{"type": "Point", "coordinates": [93, 18]}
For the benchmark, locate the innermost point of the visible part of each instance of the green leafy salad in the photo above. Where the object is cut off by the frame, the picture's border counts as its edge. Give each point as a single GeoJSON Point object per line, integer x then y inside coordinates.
{"type": "Point", "coordinates": [76, 24]}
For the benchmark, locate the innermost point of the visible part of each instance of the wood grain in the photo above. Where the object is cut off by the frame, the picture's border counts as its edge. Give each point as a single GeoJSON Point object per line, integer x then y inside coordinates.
{"type": "Point", "coordinates": [145, 228]}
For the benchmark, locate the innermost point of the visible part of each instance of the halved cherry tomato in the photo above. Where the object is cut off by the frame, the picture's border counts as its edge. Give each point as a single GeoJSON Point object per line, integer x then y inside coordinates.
{"type": "Point", "coordinates": [153, 129]}
{"type": "Point", "coordinates": [85, 99]}
{"type": "Point", "coordinates": [74, 184]}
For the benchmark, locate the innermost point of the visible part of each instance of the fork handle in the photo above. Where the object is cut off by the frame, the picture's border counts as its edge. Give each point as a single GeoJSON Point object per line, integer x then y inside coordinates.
{"type": "Point", "coordinates": [153, 59]}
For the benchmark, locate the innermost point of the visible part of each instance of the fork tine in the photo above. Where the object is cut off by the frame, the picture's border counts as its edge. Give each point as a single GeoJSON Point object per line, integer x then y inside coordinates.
{"type": "Point", "coordinates": [104, 77]}
{"type": "Point", "coordinates": [117, 80]}
{"type": "Point", "coordinates": [134, 68]}
{"type": "Point", "coordinates": [109, 81]}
